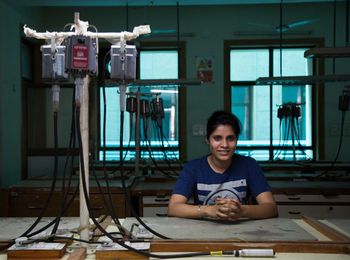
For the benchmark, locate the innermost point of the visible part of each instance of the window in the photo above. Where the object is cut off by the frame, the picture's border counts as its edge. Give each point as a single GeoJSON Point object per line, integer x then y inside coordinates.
{"type": "Point", "coordinates": [276, 119]}
{"type": "Point", "coordinates": [158, 138]}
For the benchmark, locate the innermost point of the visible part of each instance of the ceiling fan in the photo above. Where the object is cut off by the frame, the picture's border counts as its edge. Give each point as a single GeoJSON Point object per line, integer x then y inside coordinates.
{"type": "Point", "coordinates": [281, 28]}
{"type": "Point", "coordinates": [285, 27]}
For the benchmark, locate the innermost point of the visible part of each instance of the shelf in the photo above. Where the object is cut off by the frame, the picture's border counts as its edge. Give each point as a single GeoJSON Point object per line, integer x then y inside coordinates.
{"type": "Point", "coordinates": [301, 80]}
{"type": "Point", "coordinates": [158, 82]}
{"type": "Point", "coordinates": [337, 52]}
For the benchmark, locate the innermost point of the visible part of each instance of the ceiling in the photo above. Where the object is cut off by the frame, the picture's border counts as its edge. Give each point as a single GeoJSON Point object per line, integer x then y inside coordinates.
{"type": "Point", "coordinates": [149, 2]}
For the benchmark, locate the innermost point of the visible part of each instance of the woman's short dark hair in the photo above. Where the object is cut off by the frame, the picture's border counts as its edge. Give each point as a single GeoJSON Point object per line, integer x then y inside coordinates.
{"type": "Point", "coordinates": [222, 117]}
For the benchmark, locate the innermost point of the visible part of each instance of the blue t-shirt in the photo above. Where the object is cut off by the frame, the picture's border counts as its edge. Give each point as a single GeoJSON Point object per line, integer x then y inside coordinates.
{"type": "Point", "coordinates": [243, 178]}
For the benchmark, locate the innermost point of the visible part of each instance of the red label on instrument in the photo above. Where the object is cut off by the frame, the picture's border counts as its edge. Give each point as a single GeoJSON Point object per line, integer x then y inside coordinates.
{"type": "Point", "coordinates": [80, 59]}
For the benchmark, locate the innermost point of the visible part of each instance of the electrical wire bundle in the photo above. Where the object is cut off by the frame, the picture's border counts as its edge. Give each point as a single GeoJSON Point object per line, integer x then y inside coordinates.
{"type": "Point", "coordinates": [290, 114]}
{"type": "Point", "coordinates": [152, 110]}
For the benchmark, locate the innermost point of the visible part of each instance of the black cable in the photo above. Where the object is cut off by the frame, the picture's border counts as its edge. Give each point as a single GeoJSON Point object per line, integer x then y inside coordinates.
{"type": "Point", "coordinates": [104, 107]}
{"type": "Point", "coordinates": [55, 157]}
{"type": "Point", "coordinates": [65, 190]}
{"type": "Point", "coordinates": [53, 185]}
{"type": "Point", "coordinates": [54, 221]}
{"type": "Point", "coordinates": [63, 209]}
{"type": "Point", "coordinates": [347, 23]}
{"type": "Point", "coordinates": [129, 144]}
{"type": "Point", "coordinates": [111, 233]}
{"type": "Point", "coordinates": [339, 146]}
{"type": "Point", "coordinates": [334, 29]}
{"type": "Point", "coordinates": [297, 134]}
{"type": "Point", "coordinates": [148, 146]}
{"type": "Point", "coordinates": [174, 158]}
{"type": "Point", "coordinates": [64, 206]}
{"type": "Point", "coordinates": [286, 137]}
{"type": "Point", "coordinates": [279, 140]}
{"type": "Point", "coordinates": [170, 148]}
{"type": "Point", "coordinates": [86, 195]}
{"type": "Point", "coordinates": [157, 124]}
{"type": "Point", "coordinates": [124, 185]}
{"type": "Point", "coordinates": [109, 206]}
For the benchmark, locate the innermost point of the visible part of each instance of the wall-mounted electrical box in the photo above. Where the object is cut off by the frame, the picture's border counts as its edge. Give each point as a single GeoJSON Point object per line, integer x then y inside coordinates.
{"type": "Point", "coordinates": [81, 55]}
{"type": "Point", "coordinates": [53, 63]}
{"type": "Point", "coordinates": [123, 63]}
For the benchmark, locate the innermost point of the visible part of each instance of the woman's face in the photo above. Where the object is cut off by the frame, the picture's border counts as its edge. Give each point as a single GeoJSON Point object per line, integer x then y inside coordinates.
{"type": "Point", "coordinates": [222, 143]}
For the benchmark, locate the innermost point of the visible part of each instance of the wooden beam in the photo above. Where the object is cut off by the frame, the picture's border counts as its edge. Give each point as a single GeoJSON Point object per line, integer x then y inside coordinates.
{"type": "Point", "coordinates": [329, 232]}
{"type": "Point", "coordinates": [118, 254]}
{"type": "Point", "coordinates": [36, 253]}
{"type": "Point", "coordinates": [277, 246]}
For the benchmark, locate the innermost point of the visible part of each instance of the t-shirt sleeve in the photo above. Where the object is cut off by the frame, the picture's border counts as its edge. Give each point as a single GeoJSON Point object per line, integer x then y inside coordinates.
{"type": "Point", "coordinates": [257, 181]}
{"type": "Point", "coordinates": [185, 184]}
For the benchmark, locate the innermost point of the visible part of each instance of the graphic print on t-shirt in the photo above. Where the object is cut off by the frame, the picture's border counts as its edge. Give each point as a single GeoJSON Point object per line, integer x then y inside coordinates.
{"type": "Point", "coordinates": [229, 190]}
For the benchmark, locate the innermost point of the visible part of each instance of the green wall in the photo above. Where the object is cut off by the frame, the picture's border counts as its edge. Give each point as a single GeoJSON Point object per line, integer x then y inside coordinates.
{"type": "Point", "coordinates": [211, 25]}
{"type": "Point", "coordinates": [11, 19]}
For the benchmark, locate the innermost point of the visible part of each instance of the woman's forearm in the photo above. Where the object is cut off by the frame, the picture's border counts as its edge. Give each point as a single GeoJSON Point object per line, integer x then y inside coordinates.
{"type": "Point", "coordinates": [185, 210]}
{"type": "Point", "coordinates": [260, 211]}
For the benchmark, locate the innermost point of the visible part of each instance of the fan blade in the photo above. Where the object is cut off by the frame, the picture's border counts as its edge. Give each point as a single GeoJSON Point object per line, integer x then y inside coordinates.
{"type": "Point", "coordinates": [271, 33]}
{"type": "Point", "coordinates": [301, 23]}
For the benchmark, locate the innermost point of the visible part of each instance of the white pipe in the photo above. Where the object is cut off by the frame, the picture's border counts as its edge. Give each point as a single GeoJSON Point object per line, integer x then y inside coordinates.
{"type": "Point", "coordinates": [55, 97]}
{"type": "Point", "coordinates": [112, 36]}
{"type": "Point", "coordinates": [84, 127]}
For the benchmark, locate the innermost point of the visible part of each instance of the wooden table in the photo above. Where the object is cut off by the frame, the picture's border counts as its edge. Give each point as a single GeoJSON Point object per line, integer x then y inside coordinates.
{"type": "Point", "coordinates": [305, 238]}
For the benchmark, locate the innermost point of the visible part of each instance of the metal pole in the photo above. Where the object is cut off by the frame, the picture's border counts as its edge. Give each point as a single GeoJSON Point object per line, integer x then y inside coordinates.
{"type": "Point", "coordinates": [137, 134]}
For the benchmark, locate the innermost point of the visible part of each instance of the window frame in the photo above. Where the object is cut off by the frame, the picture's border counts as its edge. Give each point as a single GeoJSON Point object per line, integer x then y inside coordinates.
{"type": "Point", "coordinates": [316, 89]}
{"type": "Point", "coordinates": [158, 45]}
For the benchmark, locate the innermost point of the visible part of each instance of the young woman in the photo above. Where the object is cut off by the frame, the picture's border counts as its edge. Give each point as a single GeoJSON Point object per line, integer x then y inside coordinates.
{"type": "Point", "coordinates": [222, 182]}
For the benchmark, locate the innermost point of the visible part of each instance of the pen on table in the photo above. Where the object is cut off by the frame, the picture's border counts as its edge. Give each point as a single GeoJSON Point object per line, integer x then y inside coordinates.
{"type": "Point", "coordinates": [246, 253]}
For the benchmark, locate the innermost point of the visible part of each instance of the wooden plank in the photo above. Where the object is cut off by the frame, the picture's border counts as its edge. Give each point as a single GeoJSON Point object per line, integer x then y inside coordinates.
{"type": "Point", "coordinates": [77, 254]}
{"type": "Point", "coordinates": [36, 254]}
{"type": "Point", "coordinates": [118, 254]}
{"type": "Point", "coordinates": [329, 232]}
{"type": "Point", "coordinates": [32, 258]}
{"type": "Point", "coordinates": [277, 246]}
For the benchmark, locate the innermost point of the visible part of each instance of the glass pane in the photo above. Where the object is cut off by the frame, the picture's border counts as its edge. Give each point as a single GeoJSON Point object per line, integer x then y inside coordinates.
{"type": "Point", "coordinates": [294, 122]}
{"type": "Point", "coordinates": [113, 119]}
{"type": "Point", "coordinates": [248, 65]}
{"type": "Point", "coordinates": [259, 155]}
{"type": "Point", "coordinates": [292, 136]}
{"type": "Point", "coordinates": [241, 108]}
{"type": "Point", "coordinates": [153, 132]}
{"type": "Point", "coordinates": [293, 62]}
{"type": "Point", "coordinates": [290, 154]}
{"type": "Point", "coordinates": [168, 96]}
{"type": "Point", "coordinates": [162, 64]}
{"type": "Point", "coordinates": [251, 105]}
